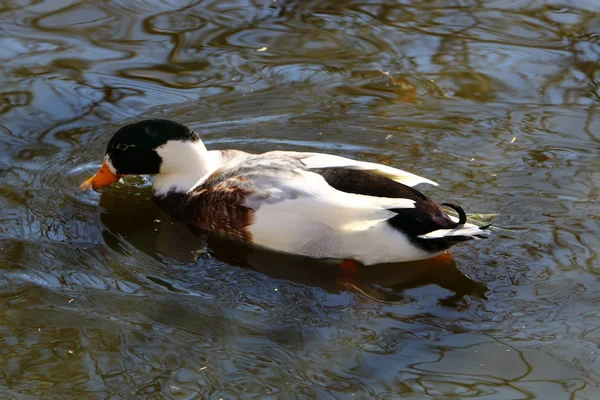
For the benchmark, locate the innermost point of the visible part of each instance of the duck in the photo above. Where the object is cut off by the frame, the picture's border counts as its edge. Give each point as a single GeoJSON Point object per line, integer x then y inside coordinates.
{"type": "Point", "coordinates": [309, 204]}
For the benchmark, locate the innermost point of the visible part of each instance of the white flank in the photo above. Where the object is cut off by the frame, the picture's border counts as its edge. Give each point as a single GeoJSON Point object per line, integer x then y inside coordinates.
{"type": "Point", "coordinates": [334, 232]}
{"type": "Point", "coordinates": [317, 160]}
{"type": "Point", "coordinates": [183, 165]}
{"type": "Point", "coordinates": [465, 230]}
{"type": "Point", "coordinates": [320, 221]}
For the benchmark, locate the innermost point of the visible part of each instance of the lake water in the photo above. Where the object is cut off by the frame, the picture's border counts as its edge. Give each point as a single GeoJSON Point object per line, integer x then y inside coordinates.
{"type": "Point", "coordinates": [103, 296]}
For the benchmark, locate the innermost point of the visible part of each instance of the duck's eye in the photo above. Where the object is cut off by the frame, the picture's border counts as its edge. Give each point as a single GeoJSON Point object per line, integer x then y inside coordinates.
{"type": "Point", "coordinates": [121, 146]}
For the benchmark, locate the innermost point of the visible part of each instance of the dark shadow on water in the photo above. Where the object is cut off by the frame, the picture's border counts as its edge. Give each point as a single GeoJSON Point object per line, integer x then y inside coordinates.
{"type": "Point", "coordinates": [130, 213]}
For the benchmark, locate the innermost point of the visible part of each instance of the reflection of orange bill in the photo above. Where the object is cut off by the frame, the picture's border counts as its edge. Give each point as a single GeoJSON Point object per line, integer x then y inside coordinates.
{"type": "Point", "coordinates": [103, 177]}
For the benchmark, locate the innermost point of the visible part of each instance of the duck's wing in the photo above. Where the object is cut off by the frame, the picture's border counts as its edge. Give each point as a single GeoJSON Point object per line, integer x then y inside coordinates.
{"type": "Point", "coordinates": [318, 160]}
{"type": "Point", "coordinates": [270, 180]}
{"type": "Point", "coordinates": [274, 177]}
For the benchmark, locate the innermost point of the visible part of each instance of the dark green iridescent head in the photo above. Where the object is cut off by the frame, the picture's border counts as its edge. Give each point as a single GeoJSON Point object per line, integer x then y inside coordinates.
{"type": "Point", "coordinates": [132, 149]}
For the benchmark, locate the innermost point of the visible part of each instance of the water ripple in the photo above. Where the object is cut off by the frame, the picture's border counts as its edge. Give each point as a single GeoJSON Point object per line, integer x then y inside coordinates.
{"type": "Point", "coordinates": [105, 296]}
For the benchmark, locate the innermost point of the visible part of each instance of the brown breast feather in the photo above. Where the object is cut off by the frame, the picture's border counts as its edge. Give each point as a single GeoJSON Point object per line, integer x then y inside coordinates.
{"type": "Point", "coordinates": [219, 204]}
{"type": "Point", "coordinates": [215, 206]}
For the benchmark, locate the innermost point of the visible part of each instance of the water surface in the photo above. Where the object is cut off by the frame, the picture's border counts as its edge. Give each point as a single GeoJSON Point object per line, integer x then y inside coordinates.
{"type": "Point", "coordinates": [103, 296]}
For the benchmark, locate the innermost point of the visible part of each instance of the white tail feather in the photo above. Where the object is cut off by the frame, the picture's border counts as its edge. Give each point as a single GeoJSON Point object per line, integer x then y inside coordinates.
{"type": "Point", "coordinates": [464, 230]}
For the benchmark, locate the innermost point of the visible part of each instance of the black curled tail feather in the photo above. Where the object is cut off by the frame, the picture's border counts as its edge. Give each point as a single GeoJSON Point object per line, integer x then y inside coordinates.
{"type": "Point", "coordinates": [462, 216]}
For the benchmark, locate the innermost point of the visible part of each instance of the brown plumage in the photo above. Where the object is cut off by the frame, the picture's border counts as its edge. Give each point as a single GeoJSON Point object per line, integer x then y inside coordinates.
{"type": "Point", "coordinates": [216, 206]}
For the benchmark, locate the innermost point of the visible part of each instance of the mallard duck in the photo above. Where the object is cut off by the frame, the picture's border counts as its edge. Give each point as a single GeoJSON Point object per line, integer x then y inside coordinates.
{"type": "Point", "coordinates": [309, 204]}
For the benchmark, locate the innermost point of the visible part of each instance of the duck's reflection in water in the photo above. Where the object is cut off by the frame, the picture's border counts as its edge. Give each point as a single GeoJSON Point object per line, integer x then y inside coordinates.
{"type": "Point", "coordinates": [131, 214]}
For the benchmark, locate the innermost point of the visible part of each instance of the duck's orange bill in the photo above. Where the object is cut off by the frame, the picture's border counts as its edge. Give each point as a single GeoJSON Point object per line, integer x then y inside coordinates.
{"type": "Point", "coordinates": [103, 177]}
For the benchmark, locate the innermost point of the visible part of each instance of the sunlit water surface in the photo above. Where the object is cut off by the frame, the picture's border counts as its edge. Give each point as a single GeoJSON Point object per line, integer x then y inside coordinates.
{"type": "Point", "coordinates": [103, 296]}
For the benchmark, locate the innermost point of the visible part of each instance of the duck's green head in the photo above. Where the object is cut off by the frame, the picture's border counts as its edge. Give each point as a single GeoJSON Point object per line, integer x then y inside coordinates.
{"type": "Point", "coordinates": [145, 148]}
